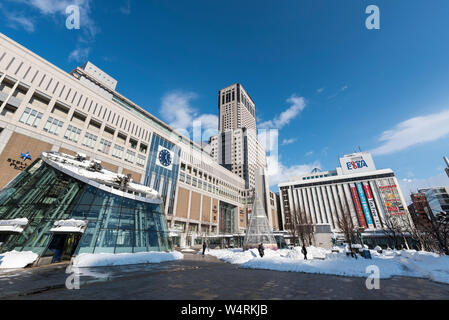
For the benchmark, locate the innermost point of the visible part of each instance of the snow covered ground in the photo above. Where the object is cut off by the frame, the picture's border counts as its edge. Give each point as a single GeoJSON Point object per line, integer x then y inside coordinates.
{"type": "Point", "coordinates": [409, 263]}
{"type": "Point", "coordinates": [110, 259]}
{"type": "Point", "coordinates": [15, 259]}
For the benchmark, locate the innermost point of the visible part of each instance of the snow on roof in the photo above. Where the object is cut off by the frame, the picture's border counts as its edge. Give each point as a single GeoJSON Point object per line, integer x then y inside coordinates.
{"type": "Point", "coordinates": [13, 225]}
{"type": "Point", "coordinates": [84, 168]}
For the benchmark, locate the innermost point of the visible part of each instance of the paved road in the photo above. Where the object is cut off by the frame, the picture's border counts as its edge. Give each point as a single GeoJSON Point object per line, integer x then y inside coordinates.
{"type": "Point", "coordinates": [198, 277]}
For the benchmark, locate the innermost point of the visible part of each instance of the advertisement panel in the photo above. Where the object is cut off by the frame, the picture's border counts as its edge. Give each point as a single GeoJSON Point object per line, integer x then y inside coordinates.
{"type": "Point", "coordinates": [365, 207]}
{"type": "Point", "coordinates": [390, 196]}
{"type": "Point", "coordinates": [358, 206]}
{"type": "Point", "coordinates": [372, 204]}
{"type": "Point", "coordinates": [357, 162]}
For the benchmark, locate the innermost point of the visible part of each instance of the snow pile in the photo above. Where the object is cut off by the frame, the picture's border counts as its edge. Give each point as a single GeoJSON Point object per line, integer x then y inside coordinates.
{"type": "Point", "coordinates": [238, 256]}
{"type": "Point", "coordinates": [408, 263]}
{"type": "Point", "coordinates": [16, 259]}
{"type": "Point", "coordinates": [118, 259]}
{"type": "Point", "coordinates": [70, 225]}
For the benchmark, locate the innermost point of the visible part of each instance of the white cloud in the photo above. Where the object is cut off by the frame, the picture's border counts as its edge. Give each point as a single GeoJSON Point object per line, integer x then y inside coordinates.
{"type": "Point", "coordinates": [15, 21]}
{"type": "Point", "coordinates": [176, 109]}
{"type": "Point", "coordinates": [288, 141]}
{"type": "Point", "coordinates": [79, 54]}
{"type": "Point", "coordinates": [309, 153]}
{"type": "Point", "coordinates": [414, 131]}
{"type": "Point", "coordinates": [320, 90]}
{"type": "Point", "coordinates": [344, 88]}
{"type": "Point", "coordinates": [297, 104]}
{"type": "Point", "coordinates": [278, 172]}
{"type": "Point", "coordinates": [53, 8]}
{"type": "Point", "coordinates": [412, 185]}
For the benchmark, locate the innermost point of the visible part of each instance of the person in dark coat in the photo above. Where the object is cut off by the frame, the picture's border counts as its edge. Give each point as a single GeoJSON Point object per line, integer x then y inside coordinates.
{"type": "Point", "coordinates": [304, 252]}
{"type": "Point", "coordinates": [261, 250]}
{"type": "Point", "coordinates": [204, 247]}
{"type": "Point", "coordinates": [56, 246]}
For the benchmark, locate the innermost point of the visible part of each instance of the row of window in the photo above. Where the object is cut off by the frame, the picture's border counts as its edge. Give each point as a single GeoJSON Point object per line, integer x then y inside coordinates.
{"type": "Point", "coordinates": [32, 118]}
{"type": "Point", "coordinates": [195, 182]}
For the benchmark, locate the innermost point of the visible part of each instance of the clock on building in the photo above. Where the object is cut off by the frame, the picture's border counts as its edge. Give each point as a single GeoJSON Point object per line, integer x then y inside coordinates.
{"type": "Point", "coordinates": [165, 157]}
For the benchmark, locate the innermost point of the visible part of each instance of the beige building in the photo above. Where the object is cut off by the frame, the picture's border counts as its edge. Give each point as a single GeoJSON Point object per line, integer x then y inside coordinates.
{"type": "Point", "coordinates": [236, 108]}
{"type": "Point", "coordinates": [43, 108]}
{"type": "Point", "coordinates": [237, 147]}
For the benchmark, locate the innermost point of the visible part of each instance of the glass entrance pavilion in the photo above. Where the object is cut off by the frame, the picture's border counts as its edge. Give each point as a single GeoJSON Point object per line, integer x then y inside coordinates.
{"type": "Point", "coordinates": [114, 214]}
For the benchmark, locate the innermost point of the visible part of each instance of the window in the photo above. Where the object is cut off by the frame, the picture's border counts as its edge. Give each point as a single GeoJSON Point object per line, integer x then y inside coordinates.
{"type": "Point", "coordinates": [53, 125]}
{"type": "Point", "coordinates": [143, 148]}
{"type": "Point", "coordinates": [118, 151]}
{"type": "Point", "coordinates": [104, 146]}
{"type": "Point", "coordinates": [140, 160]}
{"type": "Point", "coordinates": [31, 117]}
{"type": "Point", "coordinates": [130, 156]}
{"type": "Point", "coordinates": [89, 140]}
{"type": "Point", "coordinates": [72, 133]}
{"type": "Point", "coordinates": [133, 144]}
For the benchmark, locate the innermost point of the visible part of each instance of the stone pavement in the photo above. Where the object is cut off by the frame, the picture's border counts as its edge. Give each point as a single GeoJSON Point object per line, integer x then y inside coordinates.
{"type": "Point", "coordinates": [197, 277]}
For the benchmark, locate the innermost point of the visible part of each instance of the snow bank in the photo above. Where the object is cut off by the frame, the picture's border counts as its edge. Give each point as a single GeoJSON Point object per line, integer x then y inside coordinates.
{"type": "Point", "coordinates": [16, 259]}
{"type": "Point", "coordinates": [118, 259]}
{"type": "Point", "coordinates": [408, 263]}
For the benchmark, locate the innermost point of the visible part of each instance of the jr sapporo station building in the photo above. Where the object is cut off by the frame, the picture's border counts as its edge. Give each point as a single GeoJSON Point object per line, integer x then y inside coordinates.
{"type": "Point", "coordinates": [45, 109]}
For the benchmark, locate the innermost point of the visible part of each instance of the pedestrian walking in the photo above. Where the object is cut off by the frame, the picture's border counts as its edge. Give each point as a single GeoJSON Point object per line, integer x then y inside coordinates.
{"type": "Point", "coordinates": [204, 247]}
{"type": "Point", "coordinates": [261, 249]}
{"type": "Point", "coordinates": [304, 252]}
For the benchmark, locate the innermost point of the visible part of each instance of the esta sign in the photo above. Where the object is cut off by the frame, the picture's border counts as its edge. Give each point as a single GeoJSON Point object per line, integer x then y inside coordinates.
{"type": "Point", "coordinates": [357, 162]}
{"type": "Point", "coordinates": [354, 165]}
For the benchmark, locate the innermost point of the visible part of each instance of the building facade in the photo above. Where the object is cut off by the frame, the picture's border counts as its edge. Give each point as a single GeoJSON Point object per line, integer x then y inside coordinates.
{"type": "Point", "coordinates": [237, 148]}
{"type": "Point", "coordinates": [236, 109]}
{"type": "Point", "coordinates": [356, 188]}
{"type": "Point", "coordinates": [43, 108]}
{"type": "Point", "coordinates": [419, 211]}
{"type": "Point", "coordinates": [446, 161]}
{"type": "Point", "coordinates": [437, 200]}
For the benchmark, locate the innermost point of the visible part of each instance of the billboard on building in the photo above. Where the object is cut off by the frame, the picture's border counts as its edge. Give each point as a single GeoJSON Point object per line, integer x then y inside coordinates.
{"type": "Point", "coordinates": [358, 206]}
{"type": "Point", "coordinates": [389, 193]}
{"type": "Point", "coordinates": [372, 204]}
{"type": "Point", "coordinates": [357, 162]}
{"type": "Point", "coordinates": [365, 207]}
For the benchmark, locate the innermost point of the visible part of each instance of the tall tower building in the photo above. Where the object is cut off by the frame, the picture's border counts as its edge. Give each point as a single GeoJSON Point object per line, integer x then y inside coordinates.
{"type": "Point", "coordinates": [236, 108]}
{"type": "Point", "coordinates": [237, 147]}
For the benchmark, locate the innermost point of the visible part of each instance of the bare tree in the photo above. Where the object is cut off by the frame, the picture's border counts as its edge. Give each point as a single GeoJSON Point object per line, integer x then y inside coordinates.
{"type": "Point", "coordinates": [394, 229]}
{"type": "Point", "coordinates": [439, 230]}
{"type": "Point", "coordinates": [306, 234]}
{"type": "Point", "coordinates": [416, 230]}
{"type": "Point", "coordinates": [347, 228]}
{"type": "Point", "coordinates": [300, 229]}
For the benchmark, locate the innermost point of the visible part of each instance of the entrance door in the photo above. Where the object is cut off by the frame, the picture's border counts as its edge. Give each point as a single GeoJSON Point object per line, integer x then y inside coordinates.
{"type": "Point", "coordinates": [71, 244]}
{"type": "Point", "coordinates": [62, 246]}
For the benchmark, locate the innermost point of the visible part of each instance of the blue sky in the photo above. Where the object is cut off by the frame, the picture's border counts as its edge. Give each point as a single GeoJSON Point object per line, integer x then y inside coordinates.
{"type": "Point", "coordinates": [315, 72]}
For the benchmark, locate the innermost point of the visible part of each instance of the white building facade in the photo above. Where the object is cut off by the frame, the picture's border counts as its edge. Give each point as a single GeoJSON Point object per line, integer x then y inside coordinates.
{"type": "Point", "coordinates": [356, 188]}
